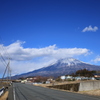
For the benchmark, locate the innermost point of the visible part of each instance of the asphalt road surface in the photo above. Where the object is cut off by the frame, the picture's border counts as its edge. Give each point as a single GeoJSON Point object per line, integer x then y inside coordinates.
{"type": "Point", "coordinates": [30, 92]}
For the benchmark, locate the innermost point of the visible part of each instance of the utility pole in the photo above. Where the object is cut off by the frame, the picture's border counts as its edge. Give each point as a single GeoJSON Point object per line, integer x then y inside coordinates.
{"type": "Point", "coordinates": [7, 70]}
{"type": "Point", "coordinates": [8, 73]}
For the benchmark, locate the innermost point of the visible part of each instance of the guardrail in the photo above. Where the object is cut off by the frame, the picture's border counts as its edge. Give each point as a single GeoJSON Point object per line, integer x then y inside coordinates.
{"type": "Point", "coordinates": [2, 90]}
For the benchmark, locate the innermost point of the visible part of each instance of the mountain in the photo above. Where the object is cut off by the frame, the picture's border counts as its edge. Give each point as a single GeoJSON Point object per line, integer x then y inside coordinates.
{"type": "Point", "coordinates": [61, 67]}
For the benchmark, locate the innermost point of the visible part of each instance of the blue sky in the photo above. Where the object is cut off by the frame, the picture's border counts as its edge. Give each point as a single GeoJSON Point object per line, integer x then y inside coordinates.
{"type": "Point", "coordinates": [38, 32]}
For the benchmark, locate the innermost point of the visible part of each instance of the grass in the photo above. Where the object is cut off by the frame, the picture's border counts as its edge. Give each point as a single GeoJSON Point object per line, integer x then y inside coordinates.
{"type": "Point", "coordinates": [4, 96]}
{"type": "Point", "coordinates": [4, 84]}
{"type": "Point", "coordinates": [91, 92]}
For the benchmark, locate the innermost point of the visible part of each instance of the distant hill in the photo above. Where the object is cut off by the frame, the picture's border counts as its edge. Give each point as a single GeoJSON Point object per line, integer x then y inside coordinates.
{"type": "Point", "coordinates": [61, 67]}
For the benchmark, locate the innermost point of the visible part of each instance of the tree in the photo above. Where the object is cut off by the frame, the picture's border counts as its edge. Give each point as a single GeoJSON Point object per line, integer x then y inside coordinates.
{"type": "Point", "coordinates": [84, 72]}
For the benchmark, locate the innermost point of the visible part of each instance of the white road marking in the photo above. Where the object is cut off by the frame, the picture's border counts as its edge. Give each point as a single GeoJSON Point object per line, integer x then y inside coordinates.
{"type": "Point", "coordinates": [14, 92]}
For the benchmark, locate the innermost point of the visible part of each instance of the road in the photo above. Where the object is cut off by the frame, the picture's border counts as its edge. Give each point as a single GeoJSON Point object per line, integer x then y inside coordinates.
{"type": "Point", "coordinates": [30, 92]}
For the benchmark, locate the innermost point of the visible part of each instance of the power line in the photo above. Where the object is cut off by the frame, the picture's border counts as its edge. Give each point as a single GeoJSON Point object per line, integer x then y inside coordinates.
{"type": "Point", "coordinates": [4, 72]}
{"type": "Point", "coordinates": [5, 62]}
{"type": "Point", "coordinates": [4, 50]}
{"type": "Point", "coordinates": [3, 59]}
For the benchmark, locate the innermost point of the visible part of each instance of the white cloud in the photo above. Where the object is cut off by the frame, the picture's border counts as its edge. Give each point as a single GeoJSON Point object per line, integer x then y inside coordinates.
{"type": "Point", "coordinates": [90, 28]}
{"type": "Point", "coordinates": [17, 52]}
{"type": "Point", "coordinates": [97, 59]}
{"type": "Point", "coordinates": [28, 59]}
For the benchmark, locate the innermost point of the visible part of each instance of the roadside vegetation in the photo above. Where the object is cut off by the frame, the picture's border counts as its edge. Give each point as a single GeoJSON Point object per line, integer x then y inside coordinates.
{"type": "Point", "coordinates": [4, 84]}
{"type": "Point", "coordinates": [91, 92]}
{"type": "Point", "coordinates": [84, 72]}
{"type": "Point", "coordinates": [4, 96]}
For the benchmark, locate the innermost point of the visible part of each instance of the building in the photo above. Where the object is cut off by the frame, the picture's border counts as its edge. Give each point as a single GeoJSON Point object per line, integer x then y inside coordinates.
{"type": "Point", "coordinates": [97, 76]}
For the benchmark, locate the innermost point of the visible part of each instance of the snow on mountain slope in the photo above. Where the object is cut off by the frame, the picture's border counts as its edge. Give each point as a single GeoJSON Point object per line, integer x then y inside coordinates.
{"type": "Point", "coordinates": [61, 67]}
{"type": "Point", "coordinates": [70, 61]}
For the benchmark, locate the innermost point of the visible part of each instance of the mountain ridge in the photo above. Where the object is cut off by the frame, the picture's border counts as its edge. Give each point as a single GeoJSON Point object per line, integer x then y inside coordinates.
{"type": "Point", "coordinates": [60, 67]}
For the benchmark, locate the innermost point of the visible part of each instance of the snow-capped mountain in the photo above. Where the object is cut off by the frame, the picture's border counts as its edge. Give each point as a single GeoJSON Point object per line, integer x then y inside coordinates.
{"type": "Point", "coordinates": [70, 61]}
{"type": "Point", "coordinates": [61, 67]}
